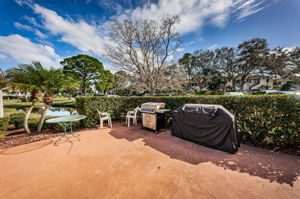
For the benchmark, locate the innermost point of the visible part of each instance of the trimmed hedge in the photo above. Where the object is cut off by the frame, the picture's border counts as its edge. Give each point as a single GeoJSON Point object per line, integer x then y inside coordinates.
{"type": "Point", "coordinates": [262, 120]}
{"type": "Point", "coordinates": [17, 119]}
{"type": "Point", "coordinates": [4, 122]}
{"type": "Point", "coordinates": [58, 127]}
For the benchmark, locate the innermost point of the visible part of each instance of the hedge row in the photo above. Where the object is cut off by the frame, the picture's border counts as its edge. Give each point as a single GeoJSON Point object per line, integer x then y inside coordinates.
{"type": "Point", "coordinates": [262, 120]}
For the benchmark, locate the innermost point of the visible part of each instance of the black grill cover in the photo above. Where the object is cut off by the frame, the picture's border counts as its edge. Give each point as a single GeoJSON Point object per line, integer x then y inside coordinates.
{"type": "Point", "coordinates": [205, 124]}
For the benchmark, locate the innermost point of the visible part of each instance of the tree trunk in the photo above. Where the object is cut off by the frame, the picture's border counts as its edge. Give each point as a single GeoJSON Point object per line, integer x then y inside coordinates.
{"type": "Point", "coordinates": [84, 88]}
{"type": "Point", "coordinates": [69, 96]}
{"type": "Point", "coordinates": [42, 119]}
{"type": "Point", "coordinates": [27, 117]}
{"type": "Point", "coordinates": [26, 97]}
{"type": "Point", "coordinates": [242, 85]}
{"type": "Point", "coordinates": [1, 104]}
{"type": "Point", "coordinates": [233, 84]}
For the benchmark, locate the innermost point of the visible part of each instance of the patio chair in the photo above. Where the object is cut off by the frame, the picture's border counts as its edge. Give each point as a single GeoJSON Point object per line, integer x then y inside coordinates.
{"type": "Point", "coordinates": [104, 116]}
{"type": "Point", "coordinates": [132, 115]}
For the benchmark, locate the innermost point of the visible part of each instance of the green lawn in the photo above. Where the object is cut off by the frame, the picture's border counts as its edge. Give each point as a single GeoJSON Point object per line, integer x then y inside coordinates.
{"type": "Point", "coordinates": [11, 106]}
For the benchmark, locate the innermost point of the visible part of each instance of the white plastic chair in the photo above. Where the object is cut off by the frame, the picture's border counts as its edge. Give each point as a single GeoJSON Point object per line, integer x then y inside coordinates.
{"type": "Point", "coordinates": [132, 115]}
{"type": "Point", "coordinates": [104, 116]}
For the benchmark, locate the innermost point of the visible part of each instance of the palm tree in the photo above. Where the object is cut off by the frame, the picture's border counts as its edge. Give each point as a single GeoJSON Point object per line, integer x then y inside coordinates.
{"type": "Point", "coordinates": [39, 80]}
{"type": "Point", "coordinates": [53, 81]}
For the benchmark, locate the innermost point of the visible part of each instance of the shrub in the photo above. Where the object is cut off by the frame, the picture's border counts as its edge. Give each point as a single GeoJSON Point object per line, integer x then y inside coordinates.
{"type": "Point", "coordinates": [4, 122]}
{"type": "Point", "coordinates": [17, 119]}
{"type": "Point", "coordinates": [58, 127]}
{"type": "Point", "coordinates": [262, 120]}
{"type": "Point", "coordinates": [200, 92]}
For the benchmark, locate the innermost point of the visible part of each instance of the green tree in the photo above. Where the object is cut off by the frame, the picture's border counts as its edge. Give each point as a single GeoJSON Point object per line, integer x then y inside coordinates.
{"type": "Point", "coordinates": [71, 86]}
{"type": "Point", "coordinates": [105, 81]}
{"type": "Point", "coordinates": [185, 62]}
{"type": "Point", "coordinates": [203, 63]}
{"type": "Point", "coordinates": [226, 62]}
{"type": "Point", "coordinates": [83, 67]}
{"type": "Point", "coordinates": [252, 58]}
{"type": "Point", "coordinates": [122, 81]}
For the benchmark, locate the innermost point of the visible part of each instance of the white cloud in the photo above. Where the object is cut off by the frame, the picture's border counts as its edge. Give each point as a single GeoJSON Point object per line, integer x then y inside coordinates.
{"type": "Point", "coordinates": [212, 47]}
{"type": "Point", "coordinates": [24, 2]}
{"type": "Point", "coordinates": [245, 8]}
{"type": "Point", "coordinates": [194, 14]}
{"type": "Point", "coordinates": [24, 27]}
{"type": "Point", "coordinates": [23, 50]}
{"type": "Point", "coordinates": [32, 20]}
{"type": "Point", "coordinates": [180, 49]}
{"type": "Point", "coordinates": [31, 29]}
{"type": "Point", "coordinates": [40, 35]}
{"type": "Point", "coordinates": [80, 34]}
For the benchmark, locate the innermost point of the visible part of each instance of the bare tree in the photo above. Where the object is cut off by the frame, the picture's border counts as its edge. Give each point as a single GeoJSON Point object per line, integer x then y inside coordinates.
{"type": "Point", "coordinates": [144, 48]}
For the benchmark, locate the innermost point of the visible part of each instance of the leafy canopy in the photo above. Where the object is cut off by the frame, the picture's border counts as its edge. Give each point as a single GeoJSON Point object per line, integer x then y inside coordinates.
{"type": "Point", "coordinates": [83, 67]}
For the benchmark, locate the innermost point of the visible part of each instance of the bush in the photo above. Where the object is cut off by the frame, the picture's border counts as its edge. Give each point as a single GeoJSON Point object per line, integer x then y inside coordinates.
{"type": "Point", "coordinates": [286, 87]}
{"type": "Point", "coordinates": [200, 92]}
{"type": "Point", "coordinates": [58, 127]}
{"type": "Point", "coordinates": [262, 120]}
{"type": "Point", "coordinates": [17, 119]}
{"type": "Point", "coordinates": [4, 122]}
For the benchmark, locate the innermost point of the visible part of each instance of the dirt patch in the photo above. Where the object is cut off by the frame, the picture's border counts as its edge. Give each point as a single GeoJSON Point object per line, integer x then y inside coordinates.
{"type": "Point", "coordinates": [26, 147]}
{"type": "Point", "coordinates": [19, 137]}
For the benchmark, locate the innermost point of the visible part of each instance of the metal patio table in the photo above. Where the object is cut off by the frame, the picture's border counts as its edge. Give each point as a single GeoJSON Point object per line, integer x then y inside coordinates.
{"type": "Point", "coordinates": [66, 121]}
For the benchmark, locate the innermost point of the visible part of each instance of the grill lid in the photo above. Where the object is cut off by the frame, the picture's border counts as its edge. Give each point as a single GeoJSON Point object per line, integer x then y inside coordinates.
{"type": "Point", "coordinates": [152, 107]}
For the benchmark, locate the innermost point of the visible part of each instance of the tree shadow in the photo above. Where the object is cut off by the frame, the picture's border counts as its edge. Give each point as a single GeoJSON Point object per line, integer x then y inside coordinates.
{"type": "Point", "coordinates": [274, 166]}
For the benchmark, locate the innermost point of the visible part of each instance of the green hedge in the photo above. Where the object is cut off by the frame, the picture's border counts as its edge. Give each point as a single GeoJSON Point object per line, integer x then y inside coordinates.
{"type": "Point", "coordinates": [17, 119]}
{"type": "Point", "coordinates": [4, 122]}
{"type": "Point", "coordinates": [58, 127]}
{"type": "Point", "coordinates": [262, 120]}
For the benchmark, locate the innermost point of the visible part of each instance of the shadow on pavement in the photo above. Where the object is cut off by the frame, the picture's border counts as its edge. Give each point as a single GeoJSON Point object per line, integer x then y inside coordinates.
{"type": "Point", "coordinates": [274, 166]}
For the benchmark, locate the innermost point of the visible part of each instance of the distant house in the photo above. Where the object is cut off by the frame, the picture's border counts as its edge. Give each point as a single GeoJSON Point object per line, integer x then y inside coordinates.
{"type": "Point", "coordinates": [254, 82]}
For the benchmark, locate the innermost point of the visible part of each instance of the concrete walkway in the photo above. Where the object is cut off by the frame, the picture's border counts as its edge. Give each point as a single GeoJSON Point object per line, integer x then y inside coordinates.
{"type": "Point", "coordinates": [135, 163]}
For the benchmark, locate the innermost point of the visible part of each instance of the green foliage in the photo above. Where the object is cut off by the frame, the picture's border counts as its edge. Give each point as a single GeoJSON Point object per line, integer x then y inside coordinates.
{"type": "Point", "coordinates": [3, 80]}
{"type": "Point", "coordinates": [83, 67]}
{"type": "Point", "coordinates": [57, 127]}
{"type": "Point", "coordinates": [286, 87]}
{"type": "Point", "coordinates": [4, 122]}
{"type": "Point", "coordinates": [17, 119]}
{"type": "Point", "coordinates": [121, 82]}
{"type": "Point", "coordinates": [262, 120]}
{"type": "Point", "coordinates": [105, 81]}
{"type": "Point", "coordinates": [200, 92]}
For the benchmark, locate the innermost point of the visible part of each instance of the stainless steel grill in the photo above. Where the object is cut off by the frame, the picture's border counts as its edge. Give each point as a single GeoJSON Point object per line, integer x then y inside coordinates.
{"type": "Point", "coordinates": [153, 115]}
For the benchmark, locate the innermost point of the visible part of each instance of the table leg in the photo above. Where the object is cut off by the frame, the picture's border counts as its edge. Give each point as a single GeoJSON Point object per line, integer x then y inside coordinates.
{"type": "Point", "coordinates": [65, 136]}
{"type": "Point", "coordinates": [73, 133]}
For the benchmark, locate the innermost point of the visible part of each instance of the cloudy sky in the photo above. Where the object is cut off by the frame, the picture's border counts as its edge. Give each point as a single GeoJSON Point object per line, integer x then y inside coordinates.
{"type": "Point", "coordinates": [50, 30]}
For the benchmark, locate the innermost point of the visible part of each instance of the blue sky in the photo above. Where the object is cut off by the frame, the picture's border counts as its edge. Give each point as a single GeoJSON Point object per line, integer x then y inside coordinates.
{"type": "Point", "coordinates": [50, 30]}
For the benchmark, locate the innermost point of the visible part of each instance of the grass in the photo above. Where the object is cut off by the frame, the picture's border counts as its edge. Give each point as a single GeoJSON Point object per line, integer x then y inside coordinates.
{"type": "Point", "coordinates": [11, 106]}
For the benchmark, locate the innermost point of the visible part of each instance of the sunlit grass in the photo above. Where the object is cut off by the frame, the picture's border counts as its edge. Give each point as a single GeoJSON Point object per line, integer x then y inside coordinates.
{"type": "Point", "coordinates": [11, 106]}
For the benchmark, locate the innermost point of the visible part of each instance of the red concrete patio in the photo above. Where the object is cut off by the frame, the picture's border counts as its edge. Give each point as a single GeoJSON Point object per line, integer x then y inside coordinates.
{"type": "Point", "coordinates": [135, 163]}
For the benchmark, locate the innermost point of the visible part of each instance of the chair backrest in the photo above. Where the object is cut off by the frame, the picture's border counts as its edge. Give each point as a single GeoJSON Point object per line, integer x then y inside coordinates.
{"type": "Point", "coordinates": [102, 114]}
{"type": "Point", "coordinates": [136, 110]}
